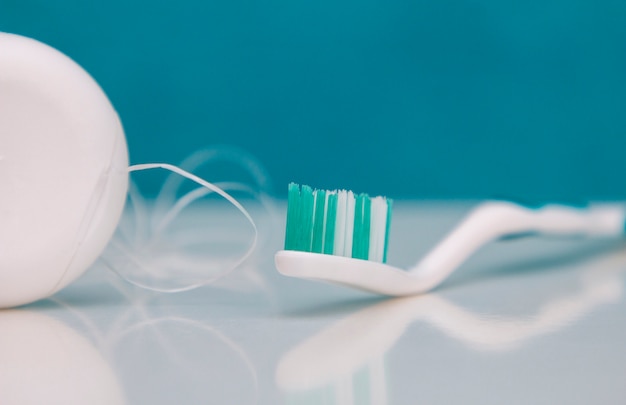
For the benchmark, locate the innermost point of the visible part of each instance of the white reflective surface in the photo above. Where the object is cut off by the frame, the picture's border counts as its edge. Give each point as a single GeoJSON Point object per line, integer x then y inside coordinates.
{"type": "Point", "coordinates": [536, 321]}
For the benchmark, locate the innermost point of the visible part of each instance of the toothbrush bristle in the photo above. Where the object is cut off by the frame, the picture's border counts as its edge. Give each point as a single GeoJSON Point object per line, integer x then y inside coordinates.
{"type": "Point", "coordinates": [337, 223]}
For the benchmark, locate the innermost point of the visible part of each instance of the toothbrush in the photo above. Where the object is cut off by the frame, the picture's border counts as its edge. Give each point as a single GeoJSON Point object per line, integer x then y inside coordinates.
{"type": "Point", "coordinates": [341, 238]}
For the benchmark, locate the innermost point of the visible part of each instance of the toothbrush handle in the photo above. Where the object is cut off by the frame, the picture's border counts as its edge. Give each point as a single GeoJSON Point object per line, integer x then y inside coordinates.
{"type": "Point", "coordinates": [493, 220]}
{"type": "Point", "coordinates": [560, 220]}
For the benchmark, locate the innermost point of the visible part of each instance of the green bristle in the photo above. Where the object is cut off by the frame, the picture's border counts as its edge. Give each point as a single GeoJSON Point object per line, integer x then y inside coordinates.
{"type": "Point", "coordinates": [358, 224]}
{"type": "Point", "coordinates": [389, 204]}
{"type": "Point", "coordinates": [361, 235]}
{"type": "Point", "coordinates": [318, 225]}
{"type": "Point", "coordinates": [358, 234]}
{"type": "Point", "coordinates": [331, 215]}
{"type": "Point", "coordinates": [306, 219]}
{"type": "Point", "coordinates": [293, 220]}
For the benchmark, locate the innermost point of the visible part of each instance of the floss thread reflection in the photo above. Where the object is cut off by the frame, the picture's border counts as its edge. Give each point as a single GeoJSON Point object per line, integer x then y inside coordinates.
{"type": "Point", "coordinates": [95, 363]}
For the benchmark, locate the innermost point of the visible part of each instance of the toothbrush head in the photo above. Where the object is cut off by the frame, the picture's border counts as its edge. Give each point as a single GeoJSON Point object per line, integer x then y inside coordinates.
{"type": "Point", "coordinates": [341, 238]}
{"type": "Point", "coordinates": [337, 223]}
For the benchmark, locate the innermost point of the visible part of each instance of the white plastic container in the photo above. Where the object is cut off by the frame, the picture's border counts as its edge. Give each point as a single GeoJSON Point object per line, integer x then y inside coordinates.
{"type": "Point", "coordinates": [63, 170]}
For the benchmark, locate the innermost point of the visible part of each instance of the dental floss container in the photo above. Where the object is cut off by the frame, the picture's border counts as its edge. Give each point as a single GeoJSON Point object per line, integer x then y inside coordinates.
{"type": "Point", "coordinates": [63, 170]}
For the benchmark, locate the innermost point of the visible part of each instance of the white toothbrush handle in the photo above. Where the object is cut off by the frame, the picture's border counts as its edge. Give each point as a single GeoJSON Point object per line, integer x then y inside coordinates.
{"type": "Point", "coordinates": [494, 220]}
{"type": "Point", "coordinates": [602, 220]}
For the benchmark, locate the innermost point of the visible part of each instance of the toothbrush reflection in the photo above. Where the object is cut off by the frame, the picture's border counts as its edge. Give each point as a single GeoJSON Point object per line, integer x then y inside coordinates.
{"type": "Point", "coordinates": [42, 361]}
{"type": "Point", "coordinates": [345, 363]}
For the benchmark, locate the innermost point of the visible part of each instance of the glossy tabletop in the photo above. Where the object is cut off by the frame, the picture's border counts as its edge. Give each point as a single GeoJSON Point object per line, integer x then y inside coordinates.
{"type": "Point", "coordinates": [530, 321]}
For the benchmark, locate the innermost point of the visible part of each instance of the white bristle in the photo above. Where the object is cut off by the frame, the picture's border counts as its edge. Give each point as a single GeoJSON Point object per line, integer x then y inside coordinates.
{"type": "Point", "coordinates": [378, 228]}
{"type": "Point", "coordinates": [347, 249]}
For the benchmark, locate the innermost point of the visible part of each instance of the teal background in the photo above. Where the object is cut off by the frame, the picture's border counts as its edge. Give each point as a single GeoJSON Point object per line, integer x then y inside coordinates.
{"type": "Point", "coordinates": [427, 99]}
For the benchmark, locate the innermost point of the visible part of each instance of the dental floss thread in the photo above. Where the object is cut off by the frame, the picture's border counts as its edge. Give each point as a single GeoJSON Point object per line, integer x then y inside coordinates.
{"type": "Point", "coordinates": [206, 188]}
